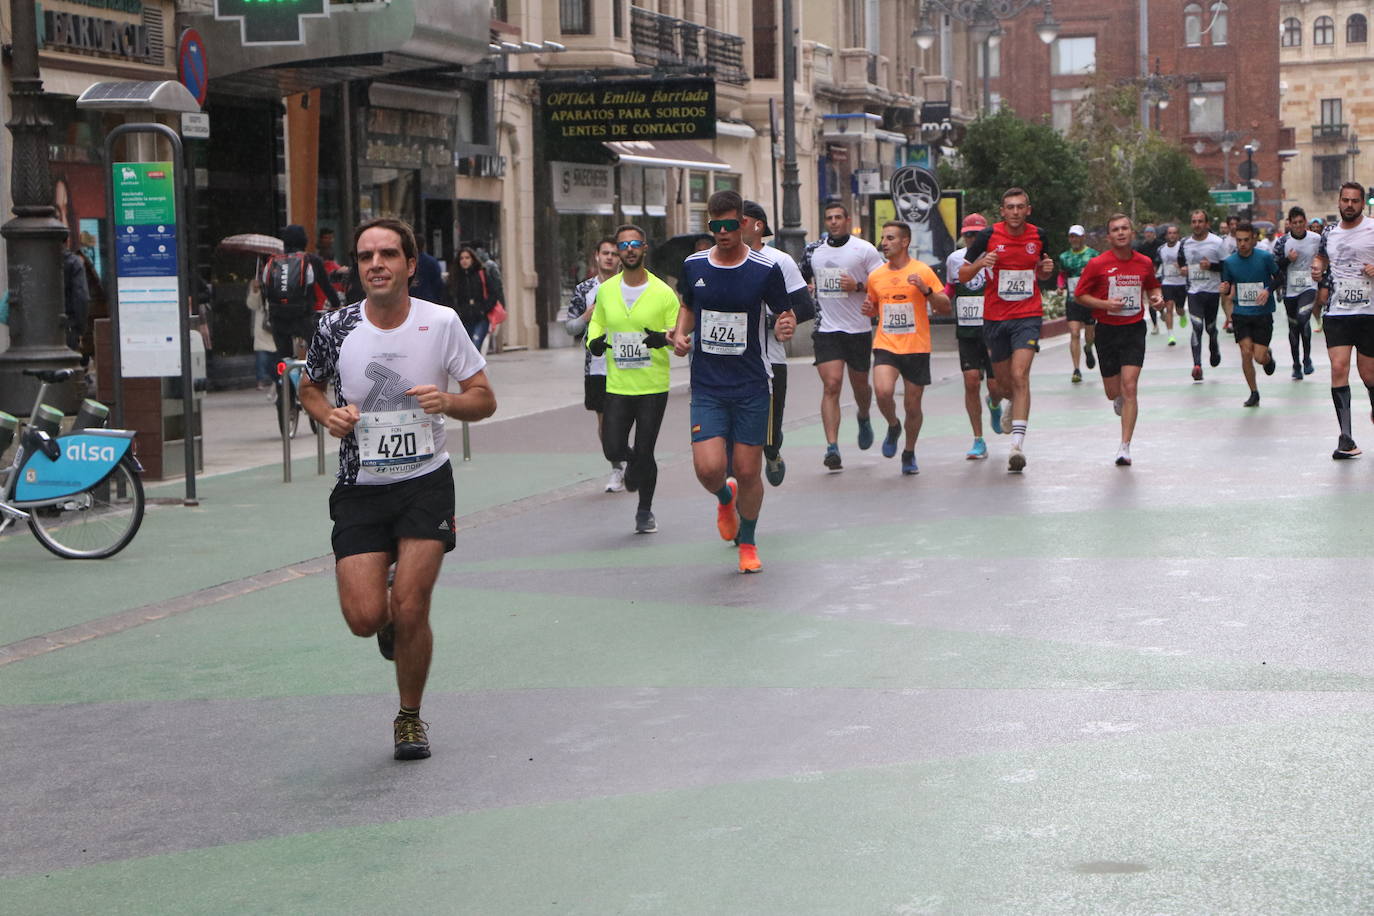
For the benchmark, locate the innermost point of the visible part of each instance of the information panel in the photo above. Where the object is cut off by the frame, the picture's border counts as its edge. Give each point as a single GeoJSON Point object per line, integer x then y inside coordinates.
{"type": "Point", "coordinates": [679, 109]}
{"type": "Point", "coordinates": [145, 233]}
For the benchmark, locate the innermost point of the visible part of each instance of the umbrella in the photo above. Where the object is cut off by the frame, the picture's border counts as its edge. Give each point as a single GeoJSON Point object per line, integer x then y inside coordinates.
{"type": "Point", "coordinates": [252, 243]}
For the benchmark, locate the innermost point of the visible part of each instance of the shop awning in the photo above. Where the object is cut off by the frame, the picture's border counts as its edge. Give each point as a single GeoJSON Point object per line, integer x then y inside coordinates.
{"type": "Point", "coordinates": [363, 41]}
{"type": "Point", "coordinates": [673, 154]}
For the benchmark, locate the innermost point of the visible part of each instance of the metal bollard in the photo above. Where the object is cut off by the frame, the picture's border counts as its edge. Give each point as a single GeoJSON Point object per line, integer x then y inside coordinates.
{"type": "Point", "coordinates": [319, 449]}
{"type": "Point", "coordinates": [284, 400]}
{"type": "Point", "coordinates": [467, 443]}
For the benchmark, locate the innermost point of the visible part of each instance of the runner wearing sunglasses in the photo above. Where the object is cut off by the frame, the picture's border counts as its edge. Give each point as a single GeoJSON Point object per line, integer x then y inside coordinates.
{"type": "Point", "coordinates": [728, 293]}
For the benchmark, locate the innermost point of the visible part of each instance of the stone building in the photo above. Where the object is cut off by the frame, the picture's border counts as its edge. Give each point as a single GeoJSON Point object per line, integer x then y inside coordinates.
{"type": "Point", "coordinates": [1327, 99]}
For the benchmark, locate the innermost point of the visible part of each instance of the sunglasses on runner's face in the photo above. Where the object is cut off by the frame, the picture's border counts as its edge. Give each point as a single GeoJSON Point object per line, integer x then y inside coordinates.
{"type": "Point", "coordinates": [723, 225]}
{"type": "Point", "coordinates": [630, 243]}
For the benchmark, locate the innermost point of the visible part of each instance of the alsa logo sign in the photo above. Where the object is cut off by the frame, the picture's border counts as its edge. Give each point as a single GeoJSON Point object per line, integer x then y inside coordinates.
{"type": "Point", "coordinates": [84, 451]}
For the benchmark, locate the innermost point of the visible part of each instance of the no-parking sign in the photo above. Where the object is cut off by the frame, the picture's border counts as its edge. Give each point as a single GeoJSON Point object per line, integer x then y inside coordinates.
{"type": "Point", "coordinates": [193, 69]}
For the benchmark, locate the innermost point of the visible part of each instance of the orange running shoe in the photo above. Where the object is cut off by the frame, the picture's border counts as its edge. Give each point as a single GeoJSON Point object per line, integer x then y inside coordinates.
{"type": "Point", "coordinates": [749, 559]}
{"type": "Point", "coordinates": [727, 516]}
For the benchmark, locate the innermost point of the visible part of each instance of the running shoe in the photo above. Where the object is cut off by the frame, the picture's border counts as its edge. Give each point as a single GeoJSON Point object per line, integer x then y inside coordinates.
{"type": "Point", "coordinates": [1297, 372]}
{"type": "Point", "coordinates": [979, 450]}
{"type": "Point", "coordinates": [1216, 355]}
{"type": "Point", "coordinates": [1345, 448]}
{"type": "Point", "coordinates": [1006, 419]}
{"type": "Point", "coordinates": [1123, 456]}
{"type": "Point", "coordinates": [727, 516]}
{"type": "Point", "coordinates": [645, 523]}
{"type": "Point", "coordinates": [1172, 342]}
{"type": "Point", "coordinates": [1228, 329]}
{"type": "Point", "coordinates": [832, 457]}
{"type": "Point", "coordinates": [1155, 328]}
{"type": "Point", "coordinates": [1252, 400]}
{"type": "Point", "coordinates": [865, 433]}
{"type": "Point", "coordinates": [386, 641]}
{"type": "Point", "coordinates": [617, 480]}
{"type": "Point", "coordinates": [995, 414]}
{"type": "Point", "coordinates": [894, 432]}
{"type": "Point", "coordinates": [1307, 367]}
{"type": "Point", "coordinates": [412, 739]}
{"type": "Point", "coordinates": [749, 559]}
{"type": "Point", "coordinates": [630, 477]}
{"type": "Point", "coordinates": [1271, 365]}
{"type": "Point", "coordinates": [1197, 373]}
{"type": "Point", "coordinates": [909, 464]}
{"type": "Point", "coordinates": [1076, 377]}
{"type": "Point", "coordinates": [1183, 319]}
{"type": "Point", "coordinates": [1016, 463]}
{"type": "Point", "coordinates": [1088, 358]}
{"type": "Point", "coordinates": [1119, 403]}
{"type": "Point", "coordinates": [775, 469]}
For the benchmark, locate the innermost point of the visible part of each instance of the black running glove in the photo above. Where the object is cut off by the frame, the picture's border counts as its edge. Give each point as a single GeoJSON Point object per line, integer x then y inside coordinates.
{"type": "Point", "coordinates": [597, 345]}
{"type": "Point", "coordinates": [655, 339]}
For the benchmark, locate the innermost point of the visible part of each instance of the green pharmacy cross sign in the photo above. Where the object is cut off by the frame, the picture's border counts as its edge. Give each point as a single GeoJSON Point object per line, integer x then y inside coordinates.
{"type": "Point", "coordinates": [271, 22]}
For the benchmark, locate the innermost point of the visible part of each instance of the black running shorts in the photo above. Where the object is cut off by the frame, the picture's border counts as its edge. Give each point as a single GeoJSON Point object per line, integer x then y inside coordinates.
{"type": "Point", "coordinates": [1075, 312]}
{"type": "Point", "coordinates": [374, 518]}
{"type": "Point", "coordinates": [594, 392]}
{"type": "Point", "coordinates": [914, 367]}
{"type": "Point", "coordinates": [973, 355]}
{"type": "Point", "coordinates": [1259, 328]}
{"type": "Point", "coordinates": [1350, 331]}
{"type": "Point", "coordinates": [855, 349]}
{"type": "Point", "coordinates": [1120, 345]}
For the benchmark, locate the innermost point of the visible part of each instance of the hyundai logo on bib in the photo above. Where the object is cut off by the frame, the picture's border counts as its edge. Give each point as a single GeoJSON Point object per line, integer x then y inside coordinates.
{"type": "Point", "coordinates": [84, 451]}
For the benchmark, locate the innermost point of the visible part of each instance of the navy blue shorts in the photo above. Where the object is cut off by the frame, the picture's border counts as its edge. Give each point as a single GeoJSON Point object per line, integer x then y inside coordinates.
{"type": "Point", "coordinates": [1002, 337]}
{"type": "Point", "coordinates": [739, 418]}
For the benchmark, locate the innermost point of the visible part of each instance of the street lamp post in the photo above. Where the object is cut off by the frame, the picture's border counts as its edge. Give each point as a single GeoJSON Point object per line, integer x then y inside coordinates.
{"type": "Point", "coordinates": [1352, 150]}
{"type": "Point", "coordinates": [983, 18]}
{"type": "Point", "coordinates": [35, 236]}
{"type": "Point", "coordinates": [791, 237]}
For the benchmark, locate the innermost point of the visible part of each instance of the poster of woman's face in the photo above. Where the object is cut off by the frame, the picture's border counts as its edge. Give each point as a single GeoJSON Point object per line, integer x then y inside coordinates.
{"type": "Point", "coordinates": [66, 212]}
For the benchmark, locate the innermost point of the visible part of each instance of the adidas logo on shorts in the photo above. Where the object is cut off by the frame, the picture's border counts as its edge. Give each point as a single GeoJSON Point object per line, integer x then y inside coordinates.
{"type": "Point", "coordinates": [443, 526]}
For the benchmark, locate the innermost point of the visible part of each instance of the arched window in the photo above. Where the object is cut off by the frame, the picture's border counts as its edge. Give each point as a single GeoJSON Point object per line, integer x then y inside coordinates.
{"type": "Point", "coordinates": [1324, 31]}
{"type": "Point", "coordinates": [1290, 36]}
{"type": "Point", "coordinates": [1219, 23]}
{"type": "Point", "coordinates": [1356, 30]}
{"type": "Point", "coordinates": [1192, 25]}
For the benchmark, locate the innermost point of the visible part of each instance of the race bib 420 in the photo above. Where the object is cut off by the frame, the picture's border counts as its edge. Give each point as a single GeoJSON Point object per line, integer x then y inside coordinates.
{"type": "Point", "coordinates": [395, 441]}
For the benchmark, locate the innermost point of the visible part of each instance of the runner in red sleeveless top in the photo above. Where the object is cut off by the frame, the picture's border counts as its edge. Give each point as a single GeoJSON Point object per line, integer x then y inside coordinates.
{"type": "Point", "coordinates": [1013, 252]}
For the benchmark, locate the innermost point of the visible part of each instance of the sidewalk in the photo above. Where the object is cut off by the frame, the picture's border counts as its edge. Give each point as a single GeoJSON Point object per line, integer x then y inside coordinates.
{"type": "Point", "coordinates": [241, 428]}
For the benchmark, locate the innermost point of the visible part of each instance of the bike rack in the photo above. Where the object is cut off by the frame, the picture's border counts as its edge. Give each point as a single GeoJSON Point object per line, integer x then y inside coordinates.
{"type": "Point", "coordinates": [284, 411]}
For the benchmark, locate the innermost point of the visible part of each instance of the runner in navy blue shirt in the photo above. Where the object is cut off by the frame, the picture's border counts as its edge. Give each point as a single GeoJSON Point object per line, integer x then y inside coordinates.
{"type": "Point", "coordinates": [728, 292]}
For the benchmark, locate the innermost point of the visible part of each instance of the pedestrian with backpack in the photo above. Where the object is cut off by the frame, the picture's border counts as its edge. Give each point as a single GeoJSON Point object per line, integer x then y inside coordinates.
{"type": "Point", "coordinates": [289, 282]}
{"type": "Point", "coordinates": [473, 293]}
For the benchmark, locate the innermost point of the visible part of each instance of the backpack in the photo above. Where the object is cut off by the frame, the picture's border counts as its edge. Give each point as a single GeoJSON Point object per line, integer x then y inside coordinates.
{"type": "Point", "coordinates": [286, 283]}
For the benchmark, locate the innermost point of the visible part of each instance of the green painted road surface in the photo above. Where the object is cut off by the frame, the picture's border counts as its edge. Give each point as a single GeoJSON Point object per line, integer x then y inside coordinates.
{"type": "Point", "coordinates": [1086, 689]}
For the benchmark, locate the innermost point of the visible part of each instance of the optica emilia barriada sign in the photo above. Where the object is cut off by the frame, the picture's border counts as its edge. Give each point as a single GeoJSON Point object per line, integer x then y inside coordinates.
{"type": "Point", "coordinates": [145, 233]}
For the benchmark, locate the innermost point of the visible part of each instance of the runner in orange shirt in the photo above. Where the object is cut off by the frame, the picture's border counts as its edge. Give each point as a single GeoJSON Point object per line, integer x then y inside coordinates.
{"type": "Point", "coordinates": [898, 293]}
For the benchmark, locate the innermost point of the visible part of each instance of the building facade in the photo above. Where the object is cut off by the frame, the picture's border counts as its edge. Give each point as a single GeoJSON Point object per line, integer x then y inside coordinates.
{"type": "Point", "coordinates": [1214, 65]}
{"type": "Point", "coordinates": [1327, 98]}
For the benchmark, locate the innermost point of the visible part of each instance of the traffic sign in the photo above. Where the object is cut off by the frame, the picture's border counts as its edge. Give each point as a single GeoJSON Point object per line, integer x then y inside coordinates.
{"type": "Point", "coordinates": [1242, 197]}
{"type": "Point", "coordinates": [192, 67]}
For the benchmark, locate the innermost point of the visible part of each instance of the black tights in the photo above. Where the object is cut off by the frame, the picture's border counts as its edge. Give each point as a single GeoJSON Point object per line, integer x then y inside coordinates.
{"type": "Point", "coordinates": [645, 413]}
{"type": "Point", "coordinates": [1299, 310]}
{"type": "Point", "coordinates": [1202, 307]}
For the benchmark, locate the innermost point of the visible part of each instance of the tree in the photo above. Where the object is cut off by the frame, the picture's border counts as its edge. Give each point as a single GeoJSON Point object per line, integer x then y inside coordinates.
{"type": "Point", "coordinates": [1139, 173]}
{"type": "Point", "coordinates": [1004, 151]}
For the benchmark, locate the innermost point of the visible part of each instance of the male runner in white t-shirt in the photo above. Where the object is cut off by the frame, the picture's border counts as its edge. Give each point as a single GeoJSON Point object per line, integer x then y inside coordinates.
{"type": "Point", "coordinates": [844, 334]}
{"type": "Point", "coordinates": [391, 358]}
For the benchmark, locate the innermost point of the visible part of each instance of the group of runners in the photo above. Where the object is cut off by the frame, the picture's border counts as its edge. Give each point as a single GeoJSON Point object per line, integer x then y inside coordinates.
{"type": "Point", "coordinates": [390, 358]}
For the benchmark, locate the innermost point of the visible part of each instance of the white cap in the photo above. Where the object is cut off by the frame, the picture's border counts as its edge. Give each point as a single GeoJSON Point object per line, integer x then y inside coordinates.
{"type": "Point", "coordinates": [1076, 230]}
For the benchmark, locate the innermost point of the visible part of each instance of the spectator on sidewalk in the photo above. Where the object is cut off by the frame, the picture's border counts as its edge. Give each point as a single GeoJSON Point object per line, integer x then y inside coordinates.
{"type": "Point", "coordinates": [428, 282]}
{"type": "Point", "coordinates": [473, 293]}
{"type": "Point", "coordinates": [264, 347]}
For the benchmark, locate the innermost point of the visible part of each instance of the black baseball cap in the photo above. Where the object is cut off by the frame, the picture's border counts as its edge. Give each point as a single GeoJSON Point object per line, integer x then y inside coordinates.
{"type": "Point", "coordinates": [755, 211]}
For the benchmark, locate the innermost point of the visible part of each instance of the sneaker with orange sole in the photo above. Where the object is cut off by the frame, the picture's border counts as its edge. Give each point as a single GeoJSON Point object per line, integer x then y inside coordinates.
{"type": "Point", "coordinates": [749, 559]}
{"type": "Point", "coordinates": [727, 516]}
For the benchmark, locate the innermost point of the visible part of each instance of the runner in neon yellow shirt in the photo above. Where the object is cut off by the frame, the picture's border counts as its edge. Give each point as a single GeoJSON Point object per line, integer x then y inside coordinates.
{"type": "Point", "coordinates": [633, 311]}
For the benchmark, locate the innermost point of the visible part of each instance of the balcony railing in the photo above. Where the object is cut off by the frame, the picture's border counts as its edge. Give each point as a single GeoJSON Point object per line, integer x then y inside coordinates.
{"type": "Point", "coordinates": [1329, 132]}
{"type": "Point", "coordinates": [659, 39]}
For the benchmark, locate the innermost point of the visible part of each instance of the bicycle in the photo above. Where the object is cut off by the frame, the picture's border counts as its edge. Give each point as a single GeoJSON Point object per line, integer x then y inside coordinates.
{"type": "Point", "coordinates": [81, 493]}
